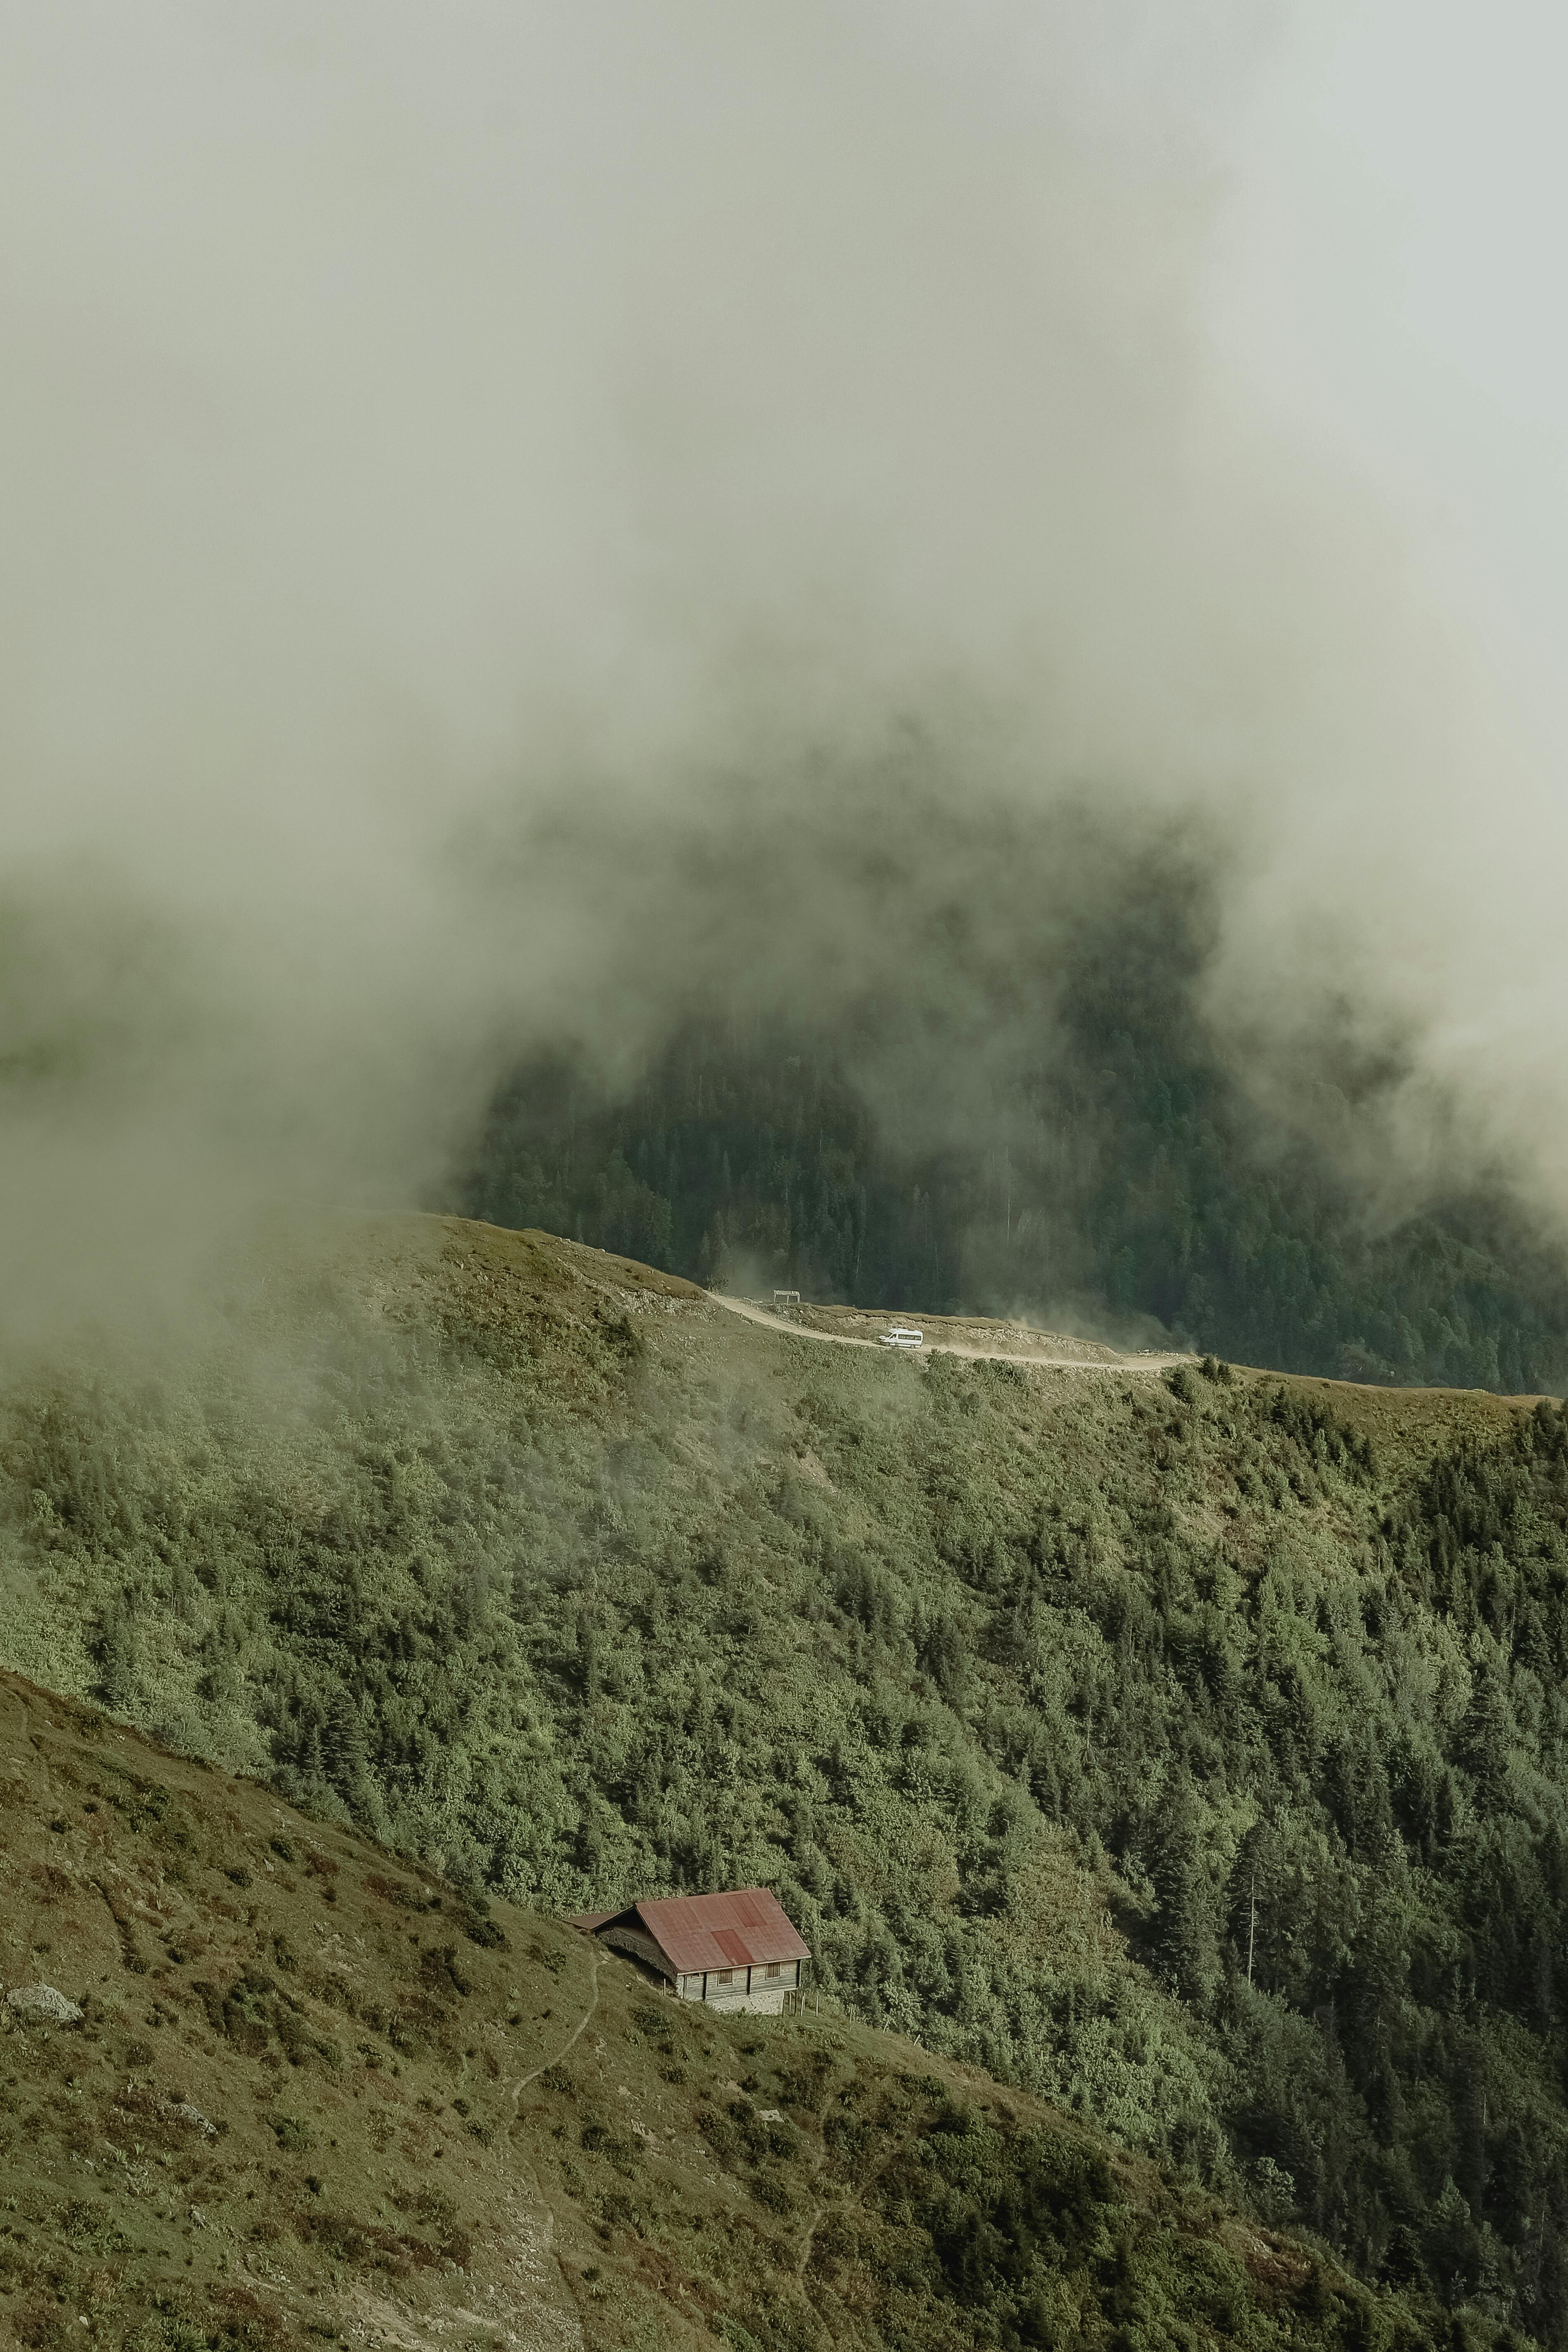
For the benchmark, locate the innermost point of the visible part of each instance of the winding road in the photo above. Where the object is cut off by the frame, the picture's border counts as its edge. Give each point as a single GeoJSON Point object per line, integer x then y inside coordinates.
{"type": "Point", "coordinates": [945, 1346]}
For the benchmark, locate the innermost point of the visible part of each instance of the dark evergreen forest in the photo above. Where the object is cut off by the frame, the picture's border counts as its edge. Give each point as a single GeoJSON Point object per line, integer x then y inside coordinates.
{"type": "Point", "coordinates": [1064, 1141]}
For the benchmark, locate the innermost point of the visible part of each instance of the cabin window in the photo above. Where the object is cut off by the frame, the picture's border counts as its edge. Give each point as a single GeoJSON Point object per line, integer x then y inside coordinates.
{"type": "Point", "coordinates": [773, 1968]}
{"type": "Point", "coordinates": [725, 1975]}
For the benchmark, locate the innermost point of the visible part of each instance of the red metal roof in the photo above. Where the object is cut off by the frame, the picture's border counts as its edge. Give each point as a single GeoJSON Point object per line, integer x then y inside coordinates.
{"type": "Point", "coordinates": [744, 1929]}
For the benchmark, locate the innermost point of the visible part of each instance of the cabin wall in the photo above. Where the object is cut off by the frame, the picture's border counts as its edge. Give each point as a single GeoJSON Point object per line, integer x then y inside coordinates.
{"type": "Point", "coordinates": [641, 1947]}
{"type": "Point", "coordinates": [764, 1996]}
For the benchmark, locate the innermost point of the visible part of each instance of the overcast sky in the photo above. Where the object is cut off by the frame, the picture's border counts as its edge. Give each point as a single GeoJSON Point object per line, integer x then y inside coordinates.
{"type": "Point", "coordinates": [1389, 272]}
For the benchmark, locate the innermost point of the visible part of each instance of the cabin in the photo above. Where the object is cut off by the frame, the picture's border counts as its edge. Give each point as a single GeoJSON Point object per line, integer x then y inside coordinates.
{"type": "Point", "coordinates": [735, 1951]}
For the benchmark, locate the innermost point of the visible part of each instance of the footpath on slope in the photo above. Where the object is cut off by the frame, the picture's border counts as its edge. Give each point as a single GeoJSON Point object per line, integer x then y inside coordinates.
{"type": "Point", "coordinates": [949, 1335]}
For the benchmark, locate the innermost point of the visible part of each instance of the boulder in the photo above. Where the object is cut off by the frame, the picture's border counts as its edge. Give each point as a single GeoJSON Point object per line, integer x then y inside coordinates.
{"type": "Point", "coordinates": [42, 2002]}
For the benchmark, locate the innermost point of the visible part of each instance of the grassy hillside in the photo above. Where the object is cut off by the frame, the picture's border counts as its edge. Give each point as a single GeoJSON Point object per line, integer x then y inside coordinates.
{"type": "Point", "coordinates": [1189, 1755]}
{"type": "Point", "coordinates": [313, 2096]}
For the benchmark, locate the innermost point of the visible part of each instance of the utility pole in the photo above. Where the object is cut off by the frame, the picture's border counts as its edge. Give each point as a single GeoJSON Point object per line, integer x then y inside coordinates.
{"type": "Point", "coordinates": [1251, 1931]}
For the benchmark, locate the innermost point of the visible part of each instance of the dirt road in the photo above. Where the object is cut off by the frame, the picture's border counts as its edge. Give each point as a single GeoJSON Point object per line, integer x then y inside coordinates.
{"type": "Point", "coordinates": [938, 1343]}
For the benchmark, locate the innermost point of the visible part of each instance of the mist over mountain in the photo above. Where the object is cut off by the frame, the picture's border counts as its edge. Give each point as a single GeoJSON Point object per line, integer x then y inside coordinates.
{"type": "Point", "coordinates": [533, 531]}
{"type": "Point", "coordinates": [1038, 1115]}
{"type": "Point", "coordinates": [907, 651]}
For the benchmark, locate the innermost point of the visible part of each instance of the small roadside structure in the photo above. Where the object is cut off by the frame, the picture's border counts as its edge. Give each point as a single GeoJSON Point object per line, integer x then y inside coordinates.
{"type": "Point", "coordinates": [733, 1950]}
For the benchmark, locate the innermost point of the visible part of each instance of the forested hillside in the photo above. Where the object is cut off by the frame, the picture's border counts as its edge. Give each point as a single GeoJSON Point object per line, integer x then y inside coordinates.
{"type": "Point", "coordinates": [1193, 1753]}
{"type": "Point", "coordinates": [1064, 1137]}
{"type": "Point", "coordinates": [266, 2085]}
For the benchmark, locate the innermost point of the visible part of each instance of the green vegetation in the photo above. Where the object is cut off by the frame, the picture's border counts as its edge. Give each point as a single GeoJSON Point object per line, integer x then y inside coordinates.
{"type": "Point", "coordinates": [1190, 1754]}
{"type": "Point", "coordinates": [1062, 1133]}
{"type": "Point", "coordinates": [346, 2105]}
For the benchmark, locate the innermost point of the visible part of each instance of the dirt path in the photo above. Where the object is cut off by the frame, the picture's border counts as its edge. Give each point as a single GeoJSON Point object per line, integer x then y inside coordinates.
{"type": "Point", "coordinates": [805, 2244]}
{"type": "Point", "coordinates": [552, 2315]}
{"type": "Point", "coordinates": [944, 1346]}
{"type": "Point", "coordinates": [572, 2039]}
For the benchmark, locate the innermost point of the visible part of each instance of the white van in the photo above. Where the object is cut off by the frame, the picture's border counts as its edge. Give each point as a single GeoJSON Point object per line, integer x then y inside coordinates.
{"type": "Point", "coordinates": [901, 1335]}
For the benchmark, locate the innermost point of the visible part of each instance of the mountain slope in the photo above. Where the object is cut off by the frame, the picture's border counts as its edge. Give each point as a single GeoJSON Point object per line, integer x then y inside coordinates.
{"type": "Point", "coordinates": [312, 2096]}
{"type": "Point", "coordinates": [1189, 1753]}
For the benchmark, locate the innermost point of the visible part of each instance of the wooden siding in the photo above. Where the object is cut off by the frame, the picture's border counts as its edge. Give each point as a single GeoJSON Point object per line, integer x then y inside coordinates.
{"type": "Point", "coordinates": [748, 1988]}
{"type": "Point", "coordinates": [641, 1947]}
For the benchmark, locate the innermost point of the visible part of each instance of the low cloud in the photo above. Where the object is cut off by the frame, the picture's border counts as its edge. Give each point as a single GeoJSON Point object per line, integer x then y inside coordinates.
{"type": "Point", "coordinates": [523, 524]}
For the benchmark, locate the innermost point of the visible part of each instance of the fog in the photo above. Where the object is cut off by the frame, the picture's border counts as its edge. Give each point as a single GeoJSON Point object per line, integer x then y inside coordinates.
{"type": "Point", "coordinates": [519, 520]}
